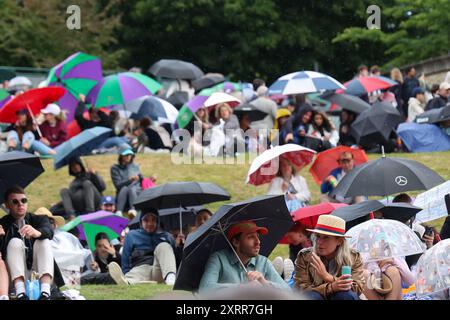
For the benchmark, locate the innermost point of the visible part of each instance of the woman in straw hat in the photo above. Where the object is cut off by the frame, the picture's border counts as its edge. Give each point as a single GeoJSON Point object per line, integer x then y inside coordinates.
{"type": "Point", "coordinates": [319, 269]}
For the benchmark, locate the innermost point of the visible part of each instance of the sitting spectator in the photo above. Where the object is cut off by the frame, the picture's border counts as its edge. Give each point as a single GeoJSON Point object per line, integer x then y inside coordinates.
{"type": "Point", "coordinates": [53, 129]}
{"type": "Point", "coordinates": [108, 203]}
{"type": "Point", "coordinates": [290, 184]}
{"type": "Point", "coordinates": [84, 192]}
{"type": "Point", "coordinates": [224, 270]}
{"type": "Point", "coordinates": [318, 270]}
{"type": "Point", "coordinates": [126, 177]}
{"type": "Point", "coordinates": [148, 254]}
{"type": "Point", "coordinates": [416, 104]}
{"type": "Point", "coordinates": [278, 135]}
{"type": "Point", "coordinates": [298, 239]}
{"type": "Point", "coordinates": [4, 278]}
{"type": "Point", "coordinates": [441, 99]}
{"type": "Point", "coordinates": [22, 135]}
{"type": "Point", "coordinates": [224, 115]}
{"type": "Point", "coordinates": [296, 127]}
{"type": "Point", "coordinates": [151, 137]}
{"type": "Point", "coordinates": [322, 128]}
{"type": "Point", "coordinates": [345, 136]}
{"type": "Point", "coordinates": [26, 244]}
{"type": "Point", "coordinates": [104, 254]}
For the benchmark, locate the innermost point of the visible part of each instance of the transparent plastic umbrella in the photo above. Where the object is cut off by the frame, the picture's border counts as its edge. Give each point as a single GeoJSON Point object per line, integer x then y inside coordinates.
{"type": "Point", "coordinates": [379, 239]}
{"type": "Point", "coordinates": [433, 269]}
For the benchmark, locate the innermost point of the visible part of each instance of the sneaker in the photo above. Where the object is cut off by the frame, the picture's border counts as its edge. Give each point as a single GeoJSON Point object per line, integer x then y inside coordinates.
{"type": "Point", "coordinates": [22, 296]}
{"type": "Point", "coordinates": [170, 279]}
{"type": "Point", "coordinates": [278, 265]}
{"type": "Point", "coordinates": [115, 271]}
{"type": "Point", "coordinates": [132, 213]}
{"type": "Point", "coordinates": [4, 297]}
{"type": "Point", "coordinates": [44, 296]}
{"type": "Point", "coordinates": [288, 269]}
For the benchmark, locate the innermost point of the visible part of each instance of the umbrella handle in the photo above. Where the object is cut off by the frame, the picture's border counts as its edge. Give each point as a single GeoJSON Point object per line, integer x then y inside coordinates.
{"type": "Point", "coordinates": [34, 120]}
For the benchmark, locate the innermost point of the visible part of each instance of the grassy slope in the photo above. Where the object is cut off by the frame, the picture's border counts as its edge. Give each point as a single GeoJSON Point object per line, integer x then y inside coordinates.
{"type": "Point", "coordinates": [45, 191]}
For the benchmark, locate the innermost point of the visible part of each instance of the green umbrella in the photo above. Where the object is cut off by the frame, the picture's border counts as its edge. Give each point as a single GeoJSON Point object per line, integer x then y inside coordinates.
{"type": "Point", "coordinates": [121, 88]}
{"type": "Point", "coordinates": [187, 110]}
{"type": "Point", "coordinates": [91, 231]}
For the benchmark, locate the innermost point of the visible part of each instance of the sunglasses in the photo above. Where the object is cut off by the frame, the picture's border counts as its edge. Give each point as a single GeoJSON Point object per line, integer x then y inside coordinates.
{"type": "Point", "coordinates": [16, 201]}
{"type": "Point", "coordinates": [344, 160]}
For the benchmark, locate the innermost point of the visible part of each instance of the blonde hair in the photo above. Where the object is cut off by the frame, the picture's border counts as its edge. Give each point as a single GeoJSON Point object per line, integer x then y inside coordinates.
{"type": "Point", "coordinates": [220, 106]}
{"type": "Point", "coordinates": [205, 117]}
{"type": "Point", "coordinates": [396, 75]}
{"type": "Point", "coordinates": [342, 258]}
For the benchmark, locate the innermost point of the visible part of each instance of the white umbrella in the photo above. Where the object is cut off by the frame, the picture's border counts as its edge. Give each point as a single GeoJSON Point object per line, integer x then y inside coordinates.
{"type": "Point", "coordinates": [433, 269]}
{"type": "Point", "coordinates": [265, 166]}
{"type": "Point", "coordinates": [379, 239]}
{"type": "Point", "coordinates": [304, 82]}
{"type": "Point", "coordinates": [221, 97]}
{"type": "Point", "coordinates": [19, 81]}
{"type": "Point", "coordinates": [433, 203]}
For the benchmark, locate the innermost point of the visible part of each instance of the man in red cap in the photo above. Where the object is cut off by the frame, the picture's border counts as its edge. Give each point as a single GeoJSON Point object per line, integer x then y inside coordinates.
{"type": "Point", "coordinates": [225, 268]}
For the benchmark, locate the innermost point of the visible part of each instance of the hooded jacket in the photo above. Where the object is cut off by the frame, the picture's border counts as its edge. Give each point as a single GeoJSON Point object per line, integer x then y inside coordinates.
{"type": "Point", "coordinates": [139, 246]}
{"type": "Point", "coordinates": [77, 183]}
{"type": "Point", "coordinates": [415, 108]}
{"type": "Point", "coordinates": [121, 174]}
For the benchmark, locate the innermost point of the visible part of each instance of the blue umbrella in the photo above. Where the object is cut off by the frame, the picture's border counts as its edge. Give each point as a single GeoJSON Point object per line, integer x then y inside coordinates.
{"type": "Point", "coordinates": [423, 137]}
{"type": "Point", "coordinates": [149, 106]}
{"type": "Point", "coordinates": [80, 145]}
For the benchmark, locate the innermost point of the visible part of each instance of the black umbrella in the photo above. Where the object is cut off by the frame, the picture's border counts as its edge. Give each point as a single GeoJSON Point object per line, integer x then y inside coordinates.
{"type": "Point", "coordinates": [180, 194]}
{"type": "Point", "coordinates": [434, 115]}
{"type": "Point", "coordinates": [207, 81]}
{"type": "Point", "coordinates": [376, 124]}
{"type": "Point", "coordinates": [178, 99]}
{"type": "Point", "coordinates": [253, 113]}
{"type": "Point", "coordinates": [346, 101]}
{"type": "Point", "coordinates": [175, 69]}
{"type": "Point", "coordinates": [18, 168]}
{"type": "Point", "coordinates": [267, 211]}
{"type": "Point", "coordinates": [386, 176]}
{"type": "Point", "coordinates": [168, 218]}
{"type": "Point", "coordinates": [400, 211]}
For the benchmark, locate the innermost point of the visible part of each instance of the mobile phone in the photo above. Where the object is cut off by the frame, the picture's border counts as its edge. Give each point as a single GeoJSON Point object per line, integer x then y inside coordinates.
{"type": "Point", "coordinates": [428, 231]}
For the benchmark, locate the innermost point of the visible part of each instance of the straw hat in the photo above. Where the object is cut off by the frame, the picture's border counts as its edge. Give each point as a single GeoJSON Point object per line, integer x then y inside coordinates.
{"type": "Point", "coordinates": [330, 225]}
{"type": "Point", "coordinates": [59, 221]}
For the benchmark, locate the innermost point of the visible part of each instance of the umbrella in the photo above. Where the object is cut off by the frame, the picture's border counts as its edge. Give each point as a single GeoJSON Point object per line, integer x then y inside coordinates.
{"type": "Point", "coordinates": [379, 239]}
{"type": "Point", "coordinates": [34, 100]}
{"type": "Point", "coordinates": [265, 166]}
{"type": "Point", "coordinates": [433, 269]}
{"type": "Point", "coordinates": [18, 168]}
{"type": "Point", "coordinates": [78, 73]}
{"type": "Point", "coordinates": [18, 82]}
{"type": "Point", "coordinates": [169, 218]}
{"type": "Point", "coordinates": [253, 113]}
{"type": "Point", "coordinates": [434, 115]}
{"type": "Point", "coordinates": [80, 145]}
{"type": "Point", "coordinates": [121, 88]}
{"type": "Point", "coordinates": [399, 211]}
{"type": "Point", "coordinates": [179, 194]}
{"type": "Point", "coordinates": [267, 211]}
{"type": "Point", "coordinates": [327, 160]}
{"type": "Point", "coordinates": [221, 97]}
{"type": "Point", "coordinates": [4, 97]}
{"type": "Point", "coordinates": [433, 203]}
{"type": "Point", "coordinates": [175, 69]}
{"type": "Point", "coordinates": [178, 98]}
{"type": "Point", "coordinates": [423, 137]}
{"type": "Point", "coordinates": [304, 82]}
{"type": "Point", "coordinates": [89, 225]}
{"type": "Point", "coordinates": [207, 81]}
{"type": "Point", "coordinates": [346, 101]}
{"type": "Point", "coordinates": [375, 124]}
{"type": "Point", "coordinates": [192, 106]}
{"type": "Point", "coordinates": [153, 107]}
{"type": "Point", "coordinates": [386, 176]}
{"type": "Point", "coordinates": [228, 87]}
{"type": "Point", "coordinates": [363, 85]}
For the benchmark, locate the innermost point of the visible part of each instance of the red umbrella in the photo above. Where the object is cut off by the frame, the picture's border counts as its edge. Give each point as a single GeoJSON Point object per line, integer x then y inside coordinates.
{"type": "Point", "coordinates": [327, 160]}
{"type": "Point", "coordinates": [34, 100]}
{"type": "Point", "coordinates": [308, 216]}
{"type": "Point", "coordinates": [363, 85]}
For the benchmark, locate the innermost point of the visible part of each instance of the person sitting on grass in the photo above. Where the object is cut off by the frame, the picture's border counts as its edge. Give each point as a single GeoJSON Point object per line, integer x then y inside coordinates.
{"type": "Point", "coordinates": [108, 203]}
{"type": "Point", "coordinates": [318, 270]}
{"type": "Point", "coordinates": [4, 278]}
{"type": "Point", "coordinates": [148, 254]}
{"type": "Point", "coordinates": [224, 269]}
{"type": "Point", "coordinates": [104, 254]}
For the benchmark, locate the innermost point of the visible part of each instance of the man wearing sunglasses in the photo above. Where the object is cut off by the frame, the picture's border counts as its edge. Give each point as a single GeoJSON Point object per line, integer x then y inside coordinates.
{"type": "Point", "coordinates": [26, 245]}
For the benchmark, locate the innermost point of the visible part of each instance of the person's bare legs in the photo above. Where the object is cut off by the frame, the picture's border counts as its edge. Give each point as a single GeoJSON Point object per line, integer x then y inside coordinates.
{"type": "Point", "coordinates": [4, 280]}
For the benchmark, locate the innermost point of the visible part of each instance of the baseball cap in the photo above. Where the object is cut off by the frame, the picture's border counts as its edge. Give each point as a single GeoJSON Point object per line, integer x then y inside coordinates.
{"type": "Point", "coordinates": [126, 152]}
{"type": "Point", "coordinates": [52, 108]}
{"type": "Point", "coordinates": [245, 227]}
{"type": "Point", "coordinates": [417, 90]}
{"type": "Point", "coordinates": [108, 200]}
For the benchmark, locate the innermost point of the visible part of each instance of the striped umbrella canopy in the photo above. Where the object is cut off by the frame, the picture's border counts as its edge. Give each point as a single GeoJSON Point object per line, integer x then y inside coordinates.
{"type": "Point", "coordinates": [4, 97]}
{"type": "Point", "coordinates": [304, 82]}
{"type": "Point", "coordinates": [187, 111]}
{"type": "Point", "coordinates": [364, 85]}
{"type": "Point", "coordinates": [79, 73]}
{"type": "Point", "coordinates": [121, 88]}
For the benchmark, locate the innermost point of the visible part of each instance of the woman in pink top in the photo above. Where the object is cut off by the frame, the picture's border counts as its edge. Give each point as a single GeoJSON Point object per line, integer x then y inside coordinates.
{"type": "Point", "coordinates": [53, 129]}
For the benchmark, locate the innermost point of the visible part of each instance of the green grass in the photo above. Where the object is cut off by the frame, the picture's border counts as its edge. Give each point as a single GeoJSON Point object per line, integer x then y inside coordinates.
{"type": "Point", "coordinates": [44, 191]}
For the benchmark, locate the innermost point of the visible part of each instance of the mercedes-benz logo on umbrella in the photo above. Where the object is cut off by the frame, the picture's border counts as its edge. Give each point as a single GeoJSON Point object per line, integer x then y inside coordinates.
{"type": "Point", "coordinates": [401, 180]}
